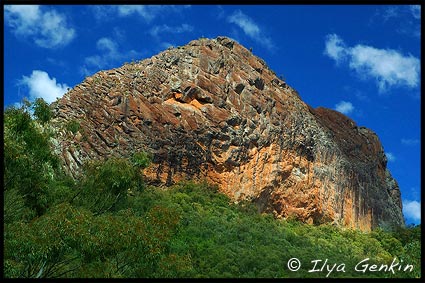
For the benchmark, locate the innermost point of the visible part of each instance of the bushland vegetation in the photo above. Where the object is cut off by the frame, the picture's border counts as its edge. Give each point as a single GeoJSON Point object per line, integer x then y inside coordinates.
{"type": "Point", "coordinates": [109, 224]}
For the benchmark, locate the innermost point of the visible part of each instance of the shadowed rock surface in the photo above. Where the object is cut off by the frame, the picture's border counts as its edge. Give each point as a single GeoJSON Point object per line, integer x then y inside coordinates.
{"type": "Point", "coordinates": [213, 111]}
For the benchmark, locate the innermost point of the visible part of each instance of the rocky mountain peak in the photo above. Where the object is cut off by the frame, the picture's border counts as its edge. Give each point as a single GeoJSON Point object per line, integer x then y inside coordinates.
{"type": "Point", "coordinates": [211, 110]}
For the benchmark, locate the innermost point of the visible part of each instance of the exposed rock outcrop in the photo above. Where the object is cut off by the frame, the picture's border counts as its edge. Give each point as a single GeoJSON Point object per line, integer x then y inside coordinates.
{"type": "Point", "coordinates": [211, 110]}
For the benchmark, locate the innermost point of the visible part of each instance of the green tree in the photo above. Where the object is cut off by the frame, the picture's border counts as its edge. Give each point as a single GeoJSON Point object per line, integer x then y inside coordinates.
{"type": "Point", "coordinates": [29, 164]}
{"type": "Point", "coordinates": [105, 185]}
{"type": "Point", "coordinates": [42, 110]}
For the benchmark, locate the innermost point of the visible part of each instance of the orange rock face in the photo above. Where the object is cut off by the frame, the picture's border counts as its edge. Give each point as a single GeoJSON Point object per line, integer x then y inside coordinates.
{"type": "Point", "coordinates": [213, 111]}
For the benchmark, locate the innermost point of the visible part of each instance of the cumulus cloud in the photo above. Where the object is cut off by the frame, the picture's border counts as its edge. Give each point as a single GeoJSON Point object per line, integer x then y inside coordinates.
{"type": "Point", "coordinates": [110, 54]}
{"type": "Point", "coordinates": [47, 28]}
{"type": "Point", "coordinates": [412, 210]}
{"type": "Point", "coordinates": [250, 28]}
{"type": "Point", "coordinates": [41, 85]}
{"type": "Point", "coordinates": [390, 156]}
{"type": "Point", "coordinates": [344, 107]}
{"type": "Point", "coordinates": [388, 67]}
{"type": "Point", "coordinates": [410, 141]}
{"type": "Point", "coordinates": [156, 30]}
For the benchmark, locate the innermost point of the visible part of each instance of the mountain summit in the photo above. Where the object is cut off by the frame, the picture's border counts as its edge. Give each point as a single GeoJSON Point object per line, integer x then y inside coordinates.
{"type": "Point", "coordinates": [211, 110]}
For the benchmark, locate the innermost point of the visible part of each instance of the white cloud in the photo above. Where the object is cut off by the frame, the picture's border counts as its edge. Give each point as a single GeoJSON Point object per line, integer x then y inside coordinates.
{"type": "Point", "coordinates": [41, 85]}
{"type": "Point", "coordinates": [335, 47]}
{"type": "Point", "coordinates": [106, 44]}
{"type": "Point", "coordinates": [388, 67]}
{"type": "Point", "coordinates": [412, 210]}
{"type": "Point", "coordinates": [101, 12]}
{"type": "Point", "coordinates": [146, 12]}
{"type": "Point", "coordinates": [390, 156]}
{"type": "Point", "coordinates": [22, 17]}
{"type": "Point", "coordinates": [406, 18]}
{"type": "Point", "coordinates": [245, 23]}
{"type": "Point", "coordinates": [250, 28]}
{"type": "Point", "coordinates": [344, 107]}
{"type": "Point", "coordinates": [410, 141]}
{"type": "Point", "coordinates": [390, 12]}
{"type": "Point", "coordinates": [156, 30]}
{"type": "Point", "coordinates": [110, 55]}
{"type": "Point", "coordinates": [399, 11]}
{"type": "Point", "coordinates": [48, 29]}
{"type": "Point", "coordinates": [416, 11]}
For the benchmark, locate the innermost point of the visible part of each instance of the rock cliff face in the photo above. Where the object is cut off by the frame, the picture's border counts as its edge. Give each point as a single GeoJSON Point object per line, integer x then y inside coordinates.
{"type": "Point", "coordinates": [213, 111]}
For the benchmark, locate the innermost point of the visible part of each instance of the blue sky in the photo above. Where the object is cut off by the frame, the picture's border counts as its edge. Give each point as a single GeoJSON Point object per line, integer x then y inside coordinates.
{"type": "Point", "coordinates": [363, 61]}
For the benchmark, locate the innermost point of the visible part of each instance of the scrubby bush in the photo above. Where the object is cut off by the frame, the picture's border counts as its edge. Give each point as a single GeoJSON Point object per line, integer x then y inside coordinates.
{"type": "Point", "coordinates": [73, 126]}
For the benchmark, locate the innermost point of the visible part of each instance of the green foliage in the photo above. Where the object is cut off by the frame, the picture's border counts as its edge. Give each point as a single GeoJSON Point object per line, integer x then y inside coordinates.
{"type": "Point", "coordinates": [105, 185]}
{"type": "Point", "coordinates": [410, 239]}
{"type": "Point", "coordinates": [42, 110]}
{"type": "Point", "coordinates": [73, 126]}
{"type": "Point", "coordinates": [28, 160]}
{"type": "Point", "coordinates": [14, 207]}
{"type": "Point", "coordinates": [220, 239]}
{"type": "Point", "coordinates": [407, 234]}
{"type": "Point", "coordinates": [108, 224]}
{"type": "Point", "coordinates": [80, 244]}
{"type": "Point", "coordinates": [141, 159]}
{"type": "Point", "coordinates": [387, 241]}
{"type": "Point", "coordinates": [188, 231]}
